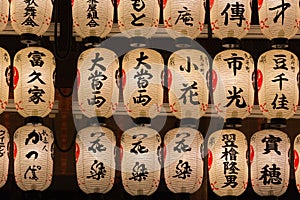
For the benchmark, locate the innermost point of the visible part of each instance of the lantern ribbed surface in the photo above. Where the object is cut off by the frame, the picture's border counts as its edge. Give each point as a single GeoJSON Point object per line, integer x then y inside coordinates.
{"type": "Point", "coordinates": [296, 161]}
{"type": "Point", "coordinates": [5, 78]}
{"type": "Point", "coordinates": [4, 153]}
{"type": "Point", "coordinates": [4, 13]}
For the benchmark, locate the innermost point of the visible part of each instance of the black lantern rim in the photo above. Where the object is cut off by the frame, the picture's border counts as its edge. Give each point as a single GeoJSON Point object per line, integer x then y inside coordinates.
{"type": "Point", "coordinates": [231, 43]}
{"type": "Point", "coordinates": [92, 41]}
{"type": "Point", "coordinates": [34, 120]}
{"type": "Point", "coordinates": [279, 43]}
{"type": "Point", "coordinates": [183, 42]}
{"type": "Point", "coordinates": [142, 120]}
{"type": "Point", "coordinates": [233, 123]}
{"type": "Point", "coordinates": [138, 42]}
{"type": "Point", "coordinates": [29, 39]}
{"type": "Point", "coordinates": [189, 122]}
{"type": "Point", "coordinates": [278, 123]}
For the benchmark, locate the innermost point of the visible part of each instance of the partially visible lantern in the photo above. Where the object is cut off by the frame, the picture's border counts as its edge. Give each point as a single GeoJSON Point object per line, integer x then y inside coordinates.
{"type": "Point", "coordinates": [34, 90]}
{"type": "Point", "coordinates": [141, 160]}
{"type": "Point", "coordinates": [95, 159]}
{"type": "Point", "coordinates": [269, 159]}
{"type": "Point", "coordinates": [4, 12]}
{"type": "Point", "coordinates": [183, 165]}
{"type": "Point", "coordinates": [98, 93]}
{"type": "Point", "coordinates": [92, 19]}
{"type": "Point", "coordinates": [188, 91]}
{"type": "Point", "coordinates": [232, 84]}
{"type": "Point", "coordinates": [4, 155]}
{"type": "Point", "coordinates": [143, 92]}
{"type": "Point", "coordinates": [33, 157]}
{"type": "Point", "coordinates": [277, 72]}
{"type": "Point", "coordinates": [227, 162]}
{"type": "Point", "coordinates": [5, 78]}
{"type": "Point", "coordinates": [296, 161]}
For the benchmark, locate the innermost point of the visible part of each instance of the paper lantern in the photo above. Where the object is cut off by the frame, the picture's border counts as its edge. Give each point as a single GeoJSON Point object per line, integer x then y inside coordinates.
{"type": "Point", "coordinates": [269, 159]}
{"type": "Point", "coordinates": [4, 13]}
{"type": "Point", "coordinates": [184, 18]}
{"type": "Point", "coordinates": [233, 91]}
{"type": "Point", "coordinates": [296, 161]}
{"type": "Point", "coordinates": [188, 91]}
{"type": "Point", "coordinates": [34, 90]}
{"type": "Point", "coordinates": [98, 93]}
{"type": "Point", "coordinates": [227, 162]}
{"type": "Point", "coordinates": [141, 161]}
{"type": "Point", "coordinates": [95, 159]}
{"type": "Point", "coordinates": [183, 166]}
{"type": "Point", "coordinates": [5, 78]}
{"type": "Point", "coordinates": [92, 19]}
{"type": "Point", "coordinates": [33, 157]}
{"type": "Point", "coordinates": [4, 155]}
{"type": "Point", "coordinates": [143, 92]}
{"type": "Point", "coordinates": [138, 18]}
{"type": "Point", "coordinates": [31, 17]}
{"type": "Point", "coordinates": [277, 84]}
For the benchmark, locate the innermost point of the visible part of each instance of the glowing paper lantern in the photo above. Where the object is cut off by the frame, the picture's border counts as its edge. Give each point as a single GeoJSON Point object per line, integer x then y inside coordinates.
{"type": "Point", "coordinates": [269, 158]}
{"type": "Point", "coordinates": [34, 90]}
{"type": "Point", "coordinates": [296, 161]}
{"type": "Point", "coordinates": [98, 93]}
{"type": "Point", "coordinates": [233, 92]}
{"type": "Point", "coordinates": [183, 165]}
{"type": "Point", "coordinates": [143, 92]}
{"type": "Point", "coordinates": [277, 84]}
{"type": "Point", "coordinates": [5, 78]}
{"type": "Point", "coordinates": [141, 161]}
{"type": "Point", "coordinates": [4, 12]}
{"type": "Point", "coordinates": [92, 19]}
{"type": "Point", "coordinates": [33, 157]}
{"type": "Point", "coordinates": [4, 159]}
{"type": "Point", "coordinates": [188, 92]}
{"type": "Point", "coordinates": [95, 159]}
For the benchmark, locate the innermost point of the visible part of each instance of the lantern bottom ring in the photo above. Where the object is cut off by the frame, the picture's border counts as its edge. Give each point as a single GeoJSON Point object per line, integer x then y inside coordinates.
{"type": "Point", "coordinates": [233, 122]}
{"type": "Point", "coordinates": [231, 43]}
{"type": "Point", "coordinates": [138, 41]}
{"type": "Point", "coordinates": [92, 41]}
{"type": "Point", "coordinates": [278, 123]}
{"type": "Point", "coordinates": [183, 42]}
{"type": "Point", "coordinates": [142, 120]}
{"type": "Point", "coordinates": [28, 38]}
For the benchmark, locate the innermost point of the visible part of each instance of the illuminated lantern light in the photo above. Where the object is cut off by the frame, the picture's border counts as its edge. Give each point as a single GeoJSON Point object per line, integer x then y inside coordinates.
{"type": "Point", "coordinates": [143, 92]}
{"type": "Point", "coordinates": [92, 20]}
{"type": "Point", "coordinates": [98, 93]}
{"type": "Point", "coordinates": [5, 78]}
{"type": "Point", "coordinates": [269, 159]}
{"type": "Point", "coordinates": [234, 93]}
{"type": "Point", "coordinates": [183, 164]}
{"type": "Point", "coordinates": [4, 155]}
{"type": "Point", "coordinates": [34, 91]}
{"type": "Point", "coordinates": [33, 157]}
{"type": "Point", "coordinates": [279, 20]}
{"type": "Point", "coordinates": [227, 162]}
{"type": "Point", "coordinates": [31, 18]}
{"type": "Point", "coordinates": [225, 23]}
{"type": "Point", "coordinates": [141, 161]}
{"type": "Point", "coordinates": [277, 85]}
{"type": "Point", "coordinates": [296, 161]}
{"type": "Point", "coordinates": [4, 12]}
{"type": "Point", "coordinates": [95, 159]}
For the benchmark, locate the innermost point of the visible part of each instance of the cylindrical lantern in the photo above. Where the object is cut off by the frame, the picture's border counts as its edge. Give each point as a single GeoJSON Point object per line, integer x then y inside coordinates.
{"type": "Point", "coordinates": [4, 155]}
{"type": "Point", "coordinates": [92, 19]}
{"type": "Point", "coordinates": [227, 162]}
{"type": "Point", "coordinates": [141, 161]}
{"type": "Point", "coordinates": [277, 84]}
{"type": "Point", "coordinates": [138, 18]}
{"type": "Point", "coordinates": [269, 159]}
{"type": "Point", "coordinates": [5, 78]}
{"type": "Point", "coordinates": [188, 91]}
{"type": "Point", "coordinates": [98, 93]}
{"type": "Point", "coordinates": [296, 161]}
{"type": "Point", "coordinates": [33, 157]}
{"type": "Point", "coordinates": [143, 92]}
{"type": "Point", "coordinates": [34, 91]}
{"type": "Point", "coordinates": [183, 165]}
{"type": "Point", "coordinates": [184, 18]}
{"type": "Point", "coordinates": [4, 12]}
{"type": "Point", "coordinates": [95, 159]}
{"type": "Point", "coordinates": [31, 17]}
{"type": "Point", "coordinates": [232, 84]}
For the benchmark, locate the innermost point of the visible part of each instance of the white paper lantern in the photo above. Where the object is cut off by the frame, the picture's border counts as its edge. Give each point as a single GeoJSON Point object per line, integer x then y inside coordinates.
{"type": "Point", "coordinates": [277, 84]}
{"type": "Point", "coordinates": [4, 13]}
{"type": "Point", "coordinates": [141, 161]}
{"type": "Point", "coordinates": [227, 162]}
{"type": "Point", "coordinates": [92, 18]}
{"type": "Point", "coordinates": [279, 19]}
{"type": "Point", "coordinates": [34, 90]}
{"type": "Point", "coordinates": [184, 17]}
{"type": "Point", "coordinates": [143, 92]}
{"type": "Point", "coordinates": [98, 93]}
{"type": "Point", "coordinates": [233, 94]}
{"type": "Point", "coordinates": [33, 157]}
{"type": "Point", "coordinates": [188, 92]}
{"type": "Point", "coordinates": [5, 78]}
{"type": "Point", "coordinates": [296, 161]}
{"type": "Point", "coordinates": [230, 18]}
{"type": "Point", "coordinates": [269, 159]}
{"type": "Point", "coordinates": [4, 155]}
{"type": "Point", "coordinates": [138, 18]}
{"type": "Point", "coordinates": [31, 17]}
{"type": "Point", "coordinates": [95, 159]}
{"type": "Point", "coordinates": [183, 164]}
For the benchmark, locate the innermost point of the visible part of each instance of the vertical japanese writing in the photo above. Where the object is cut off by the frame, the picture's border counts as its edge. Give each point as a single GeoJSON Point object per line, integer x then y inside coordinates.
{"type": "Point", "coordinates": [139, 172]}
{"type": "Point", "coordinates": [97, 170]}
{"type": "Point", "coordinates": [237, 13]}
{"type": "Point", "coordinates": [137, 146]}
{"type": "Point", "coordinates": [2, 145]}
{"type": "Point", "coordinates": [280, 9]}
{"type": "Point", "coordinates": [30, 13]}
{"type": "Point", "coordinates": [92, 13]}
{"type": "Point", "coordinates": [185, 16]}
{"type": "Point", "coordinates": [138, 6]}
{"type": "Point", "coordinates": [96, 143]}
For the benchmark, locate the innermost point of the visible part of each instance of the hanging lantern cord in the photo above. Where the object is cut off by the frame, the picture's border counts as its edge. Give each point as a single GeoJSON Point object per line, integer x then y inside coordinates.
{"type": "Point", "coordinates": [56, 140]}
